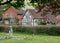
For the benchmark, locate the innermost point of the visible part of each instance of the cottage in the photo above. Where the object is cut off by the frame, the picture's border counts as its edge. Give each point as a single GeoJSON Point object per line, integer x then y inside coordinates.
{"type": "Point", "coordinates": [12, 16]}
{"type": "Point", "coordinates": [30, 18]}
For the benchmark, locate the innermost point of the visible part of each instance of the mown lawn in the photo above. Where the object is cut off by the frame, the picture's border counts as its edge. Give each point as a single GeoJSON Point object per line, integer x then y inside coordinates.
{"type": "Point", "coordinates": [36, 39]}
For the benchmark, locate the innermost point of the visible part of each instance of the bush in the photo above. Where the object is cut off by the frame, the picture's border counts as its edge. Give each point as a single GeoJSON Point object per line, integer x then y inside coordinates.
{"type": "Point", "coordinates": [1, 28]}
{"type": "Point", "coordinates": [50, 30]}
{"type": "Point", "coordinates": [45, 29]}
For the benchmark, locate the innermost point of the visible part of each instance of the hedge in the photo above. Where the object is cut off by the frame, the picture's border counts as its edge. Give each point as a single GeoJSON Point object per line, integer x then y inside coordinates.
{"type": "Point", "coordinates": [50, 30]}
{"type": "Point", "coordinates": [1, 28]}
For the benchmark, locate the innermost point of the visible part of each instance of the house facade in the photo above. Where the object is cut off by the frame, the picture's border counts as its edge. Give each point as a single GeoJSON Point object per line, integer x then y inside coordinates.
{"type": "Point", "coordinates": [30, 18]}
{"type": "Point", "coordinates": [12, 16]}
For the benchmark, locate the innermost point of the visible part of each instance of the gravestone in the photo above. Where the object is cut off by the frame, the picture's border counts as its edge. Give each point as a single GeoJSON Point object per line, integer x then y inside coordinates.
{"type": "Point", "coordinates": [2, 37]}
{"type": "Point", "coordinates": [10, 31]}
{"type": "Point", "coordinates": [19, 37]}
{"type": "Point", "coordinates": [15, 37]}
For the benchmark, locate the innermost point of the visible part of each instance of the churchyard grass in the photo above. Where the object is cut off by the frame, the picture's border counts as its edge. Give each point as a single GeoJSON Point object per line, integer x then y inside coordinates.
{"type": "Point", "coordinates": [37, 38]}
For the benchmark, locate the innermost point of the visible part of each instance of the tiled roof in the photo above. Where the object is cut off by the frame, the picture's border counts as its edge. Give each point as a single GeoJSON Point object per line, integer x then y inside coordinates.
{"type": "Point", "coordinates": [34, 13]}
{"type": "Point", "coordinates": [20, 11]}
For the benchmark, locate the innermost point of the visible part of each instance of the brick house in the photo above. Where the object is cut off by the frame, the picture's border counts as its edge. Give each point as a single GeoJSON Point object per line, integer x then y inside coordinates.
{"type": "Point", "coordinates": [13, 14]}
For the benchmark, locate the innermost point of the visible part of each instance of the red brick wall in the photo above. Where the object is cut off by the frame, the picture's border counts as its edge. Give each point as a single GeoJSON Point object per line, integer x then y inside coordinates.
{"type": "Point", "coordinates": [10, 11]}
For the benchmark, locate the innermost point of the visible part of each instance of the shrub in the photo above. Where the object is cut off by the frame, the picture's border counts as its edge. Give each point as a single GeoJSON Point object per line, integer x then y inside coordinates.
{"type": "Point", "coordinates": [55, 30]}
{"type": "Point", "coordinates": [50, 30]}
{"type": "Point", "coordinates": [45, 29]}
{"type": "Point", "coordinates": [1, 28]}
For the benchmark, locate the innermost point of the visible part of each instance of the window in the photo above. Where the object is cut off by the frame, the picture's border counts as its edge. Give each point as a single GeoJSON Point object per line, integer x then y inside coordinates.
{"type": "Point", "coordinates": [27, 16]}
{"type": "Point", "coordinates": [35, 21]}
{"type": "Point", "coordinates": [28, 23]}
{"type": "Point", "coordinates": [11, 15]}
{"type": "Point", "coordinates": [6, 15]}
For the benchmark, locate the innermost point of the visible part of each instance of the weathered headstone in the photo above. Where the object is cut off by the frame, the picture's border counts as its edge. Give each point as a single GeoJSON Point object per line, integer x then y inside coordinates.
{"type": "Point", "coordinates": [3, 37]}
{"type": "Point", "coordinates": [10, 31]}
{"type": "Point", "coordinates": [19, 37]}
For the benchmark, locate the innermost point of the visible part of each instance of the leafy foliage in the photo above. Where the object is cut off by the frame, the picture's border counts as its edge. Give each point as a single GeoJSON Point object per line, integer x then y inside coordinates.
{"type": "Point", "coordinates": [51, 5]}
{"type": "Point", "coordinates": [17, 3]}
{"type": "Point", "coordinates": [47, 5]}
{"type": "Point", "coordinates": [5, 2]}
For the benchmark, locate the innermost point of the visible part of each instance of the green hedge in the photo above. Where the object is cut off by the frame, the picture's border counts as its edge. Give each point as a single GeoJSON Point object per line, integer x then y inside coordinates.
{"type": "Point", "coordinates": [50, 30]}
{"type": "Point", "coordinates": [1, 28]}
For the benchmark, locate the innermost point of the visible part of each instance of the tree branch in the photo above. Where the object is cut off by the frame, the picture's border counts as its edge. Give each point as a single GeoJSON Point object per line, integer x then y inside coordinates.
{"type": "Point", "coordinates": [5, 2]}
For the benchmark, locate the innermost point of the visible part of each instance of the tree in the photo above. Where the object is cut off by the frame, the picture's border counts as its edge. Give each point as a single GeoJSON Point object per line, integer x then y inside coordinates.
{"type": "Point", "coordinates": [16, 3]}
{"type": "Point", "coordinates": [47, 5]}
{"type": "Point", "coordinates": [7, 1]}
{"type": "Point", "coordinates": [40, 4]}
